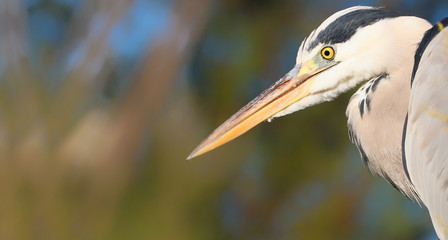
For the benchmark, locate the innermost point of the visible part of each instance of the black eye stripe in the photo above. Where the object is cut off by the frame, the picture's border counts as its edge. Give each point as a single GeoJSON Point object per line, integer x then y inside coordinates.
{"type": "Point", "coordinates": [345, 26]}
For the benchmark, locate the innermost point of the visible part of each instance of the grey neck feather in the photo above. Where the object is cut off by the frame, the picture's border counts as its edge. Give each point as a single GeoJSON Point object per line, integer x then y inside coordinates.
{"type": "Point", "coordinates": [376, 114]}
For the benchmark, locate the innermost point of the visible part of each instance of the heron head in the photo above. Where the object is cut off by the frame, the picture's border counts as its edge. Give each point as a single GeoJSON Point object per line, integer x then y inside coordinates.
{"type": "Point", "coordinates": [350, 47]}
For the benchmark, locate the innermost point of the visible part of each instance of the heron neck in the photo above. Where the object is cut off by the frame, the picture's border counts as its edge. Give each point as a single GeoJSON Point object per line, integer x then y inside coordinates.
{"type": "Point", "coordinates": [376, 115]}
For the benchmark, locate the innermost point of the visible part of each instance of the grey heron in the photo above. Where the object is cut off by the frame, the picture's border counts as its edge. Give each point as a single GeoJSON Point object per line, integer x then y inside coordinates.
{"type": "Point", "coordinates": [401, 130]}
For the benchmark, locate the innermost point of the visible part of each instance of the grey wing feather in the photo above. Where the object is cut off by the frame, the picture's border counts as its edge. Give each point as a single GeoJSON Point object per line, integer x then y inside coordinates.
{"type": "Point", "coordinates": [426, 142]}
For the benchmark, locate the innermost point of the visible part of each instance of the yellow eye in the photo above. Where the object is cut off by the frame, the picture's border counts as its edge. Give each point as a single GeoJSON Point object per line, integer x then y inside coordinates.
{"type": "Point", "coordinates": [327, 53]}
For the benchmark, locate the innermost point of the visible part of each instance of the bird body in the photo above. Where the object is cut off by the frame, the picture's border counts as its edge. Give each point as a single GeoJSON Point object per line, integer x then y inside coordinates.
{"type": "Point", "coordinates": [375, 47]}
{"type": "Point", "coordinates": [426, 131]}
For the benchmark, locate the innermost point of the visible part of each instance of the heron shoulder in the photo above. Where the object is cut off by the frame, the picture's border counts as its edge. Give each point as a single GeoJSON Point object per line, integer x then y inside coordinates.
{"type": "Point", "coordinates": [425, 138]}
{"type": "Point", "coordinates": [427, 38]}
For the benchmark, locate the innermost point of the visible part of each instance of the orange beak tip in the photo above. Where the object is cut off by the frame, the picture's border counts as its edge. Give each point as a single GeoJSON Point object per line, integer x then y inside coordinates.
{"type": "Point", "coordinates": [199, 150]}
{"type": "Point", "coordinates": [192, 155]}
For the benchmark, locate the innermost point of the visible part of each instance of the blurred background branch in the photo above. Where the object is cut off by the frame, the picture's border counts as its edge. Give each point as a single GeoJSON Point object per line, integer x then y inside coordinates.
{"type": "Point", "coordinates": [69, 152]}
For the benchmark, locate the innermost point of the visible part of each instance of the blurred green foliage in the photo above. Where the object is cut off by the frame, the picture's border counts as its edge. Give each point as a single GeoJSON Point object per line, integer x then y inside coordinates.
{"type": "Point", "coordinates": [98, 113]}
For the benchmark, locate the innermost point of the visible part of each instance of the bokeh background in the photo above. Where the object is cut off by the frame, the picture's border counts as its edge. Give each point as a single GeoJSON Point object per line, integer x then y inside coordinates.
{"type": "Point", "coordinates": [101, 101]}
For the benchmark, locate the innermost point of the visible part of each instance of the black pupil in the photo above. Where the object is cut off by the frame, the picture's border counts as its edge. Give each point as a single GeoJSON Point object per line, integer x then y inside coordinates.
{"type": "Point", "coordinates": [327, 53]}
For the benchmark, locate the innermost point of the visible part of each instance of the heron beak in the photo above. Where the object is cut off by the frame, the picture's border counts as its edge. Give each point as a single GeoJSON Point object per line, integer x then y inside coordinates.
{"type": "Point", "coordinates": [293, 87]}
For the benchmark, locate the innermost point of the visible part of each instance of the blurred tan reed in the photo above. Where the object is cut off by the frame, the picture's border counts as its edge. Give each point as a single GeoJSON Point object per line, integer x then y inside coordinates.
{"type": "Point", "coordinates": [65, 156]}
